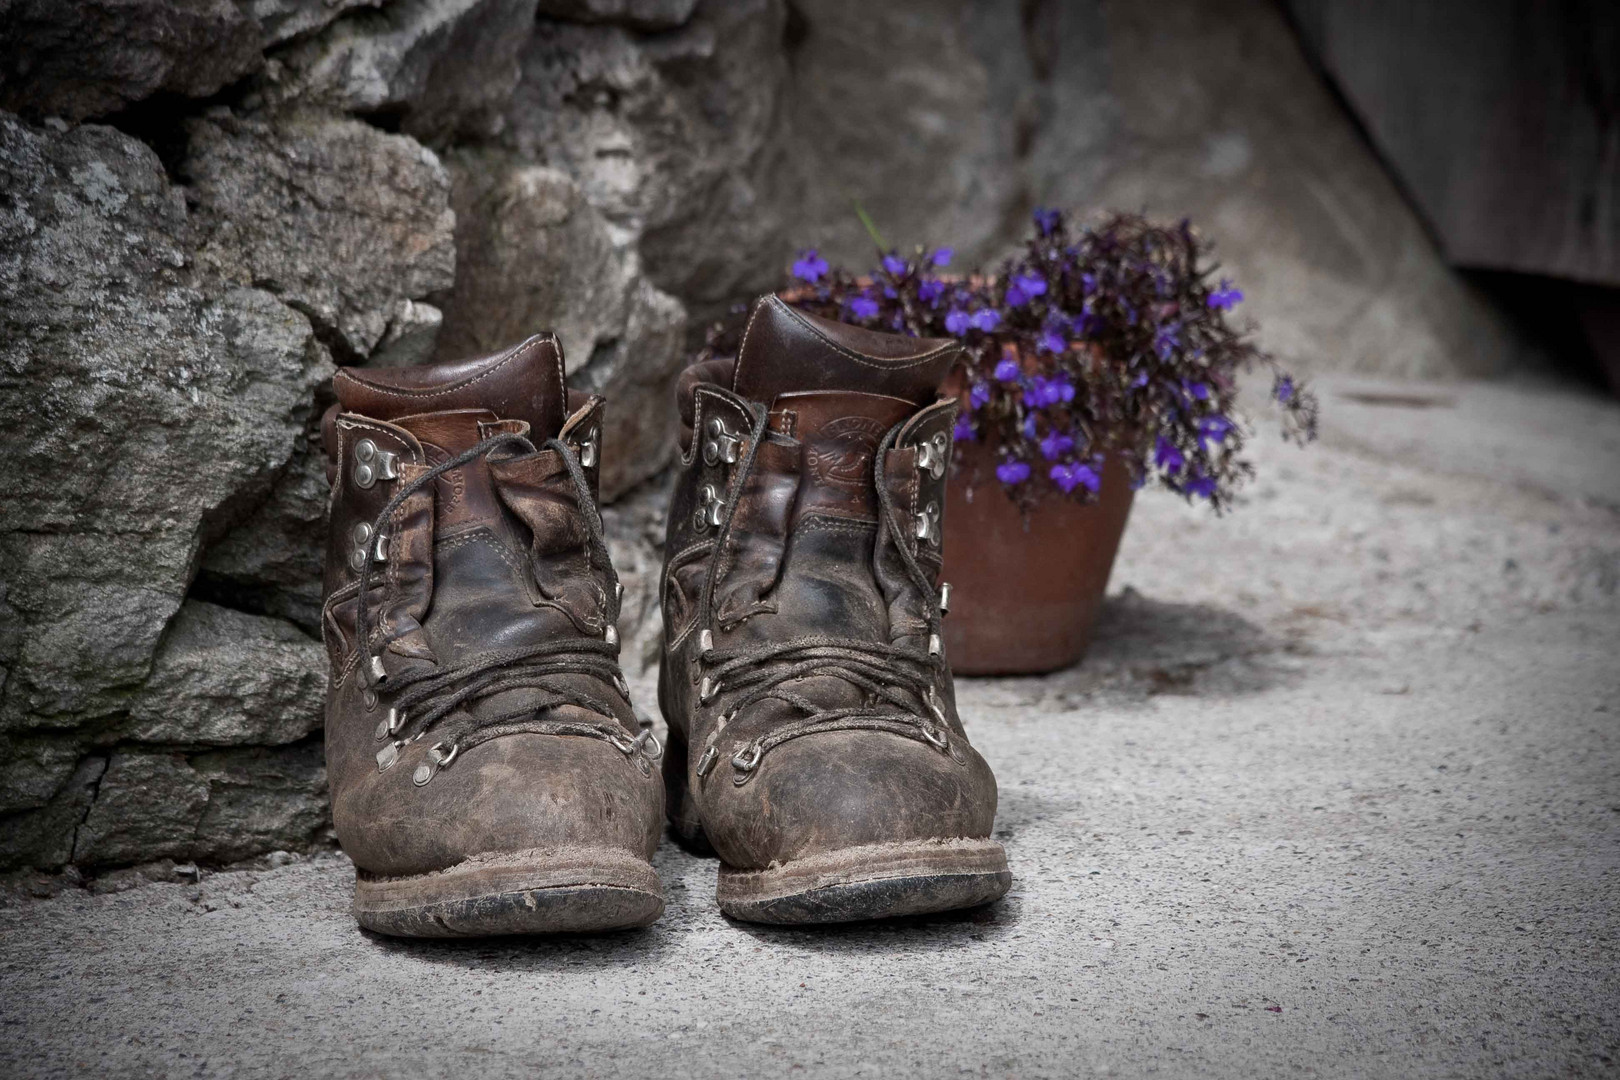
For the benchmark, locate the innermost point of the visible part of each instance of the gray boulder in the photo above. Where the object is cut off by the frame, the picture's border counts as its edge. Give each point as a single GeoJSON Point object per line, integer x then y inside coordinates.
{"type": "Point", "coordinates": [218, 806]}
{"type": "Point", "coordinates": [283, 20]}
{"type": "Point", "coordinates": [440, 69]}
{"type": "Point", "coordinates": [676, 139]}
{"type": "Point", "coordinates": [82, 58]}
{"type": "Point", "coordinates": [227, 678]}
{"type": "Point", "coordinates": [338, 219]}
{"type": "Point", "coordinates": [155, 399]}
{"type": "Point", "coordinates": [926, 137]}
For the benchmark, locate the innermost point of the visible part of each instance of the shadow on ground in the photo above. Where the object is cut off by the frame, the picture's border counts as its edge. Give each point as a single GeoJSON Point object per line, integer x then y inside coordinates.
{"type": "Point", "coordinates": [1144, 647]}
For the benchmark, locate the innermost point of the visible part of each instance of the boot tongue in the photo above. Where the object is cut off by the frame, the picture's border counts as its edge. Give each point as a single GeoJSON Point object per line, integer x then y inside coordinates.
{"type": "Point", "coordinates": [524, 383]}
{"type": "Point", "coordinates": [787, 351]}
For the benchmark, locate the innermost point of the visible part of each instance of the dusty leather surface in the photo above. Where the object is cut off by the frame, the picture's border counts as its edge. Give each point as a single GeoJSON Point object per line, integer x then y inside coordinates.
{"type": "Point", "coordinates": [490, 555]}
{"type": "Point", "coordinates": [808, 554]}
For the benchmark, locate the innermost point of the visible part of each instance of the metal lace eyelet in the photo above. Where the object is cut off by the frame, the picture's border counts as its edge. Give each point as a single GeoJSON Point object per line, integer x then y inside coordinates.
{"type": "Point", "coordinates": [711, 508]}
{"type": "Point", "coordinates": [706, 762]}
{"type": "Point", "coordinates": [945, 598]}
{"type": "Point", "coordinates": [376, 674]}
{"type": "Point", "coordinates": [368, 696]}
{"type": "Point", "coordinates": [936, 737]}
{"type": "Point", "coordinates": [721, 446]}
{"type": "Point", "coordinates": [935, 647]}
{"type": "Point", "coordinates": [611, 634]}
{"type": "Point", "coordinates": [707, 689]}
{"type": "Point", "coordinates": [926, 524]}
{"type": "Point", "coordinates": [705, 642]}
{"type": "Point", "coordinates": [372, 464]}
{"type": "Point", "coordinates": [395, 720]}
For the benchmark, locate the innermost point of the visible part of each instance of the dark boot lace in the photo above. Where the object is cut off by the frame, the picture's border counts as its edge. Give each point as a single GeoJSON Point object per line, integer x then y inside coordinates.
{"type": "Point", "coordinates": [904, 678]}
{"type": "Point", "coordinates": [430, 697]}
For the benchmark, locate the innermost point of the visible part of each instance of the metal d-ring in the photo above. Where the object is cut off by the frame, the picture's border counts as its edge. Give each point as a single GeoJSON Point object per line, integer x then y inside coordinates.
{"type": "Point", "coordinates": [745, 765]}
{"type": "Point", "coordinates": [437, 759]}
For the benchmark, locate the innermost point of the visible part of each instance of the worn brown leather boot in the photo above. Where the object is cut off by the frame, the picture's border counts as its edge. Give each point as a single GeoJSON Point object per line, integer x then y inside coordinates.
{"type": "Point", "coordinates": [814, 741]}
{"type": "Point", "coordinates": [488, 773]}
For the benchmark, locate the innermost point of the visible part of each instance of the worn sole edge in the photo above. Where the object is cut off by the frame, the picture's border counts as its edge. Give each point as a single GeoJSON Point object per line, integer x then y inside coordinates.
{"type": "Point", "coordinates": [878, 881]}
{"type": "Point", "coordinates": [575, 890]}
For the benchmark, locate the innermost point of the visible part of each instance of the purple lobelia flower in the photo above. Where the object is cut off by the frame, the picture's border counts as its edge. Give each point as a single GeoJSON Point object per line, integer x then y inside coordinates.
{"type": "Point", "coordinates": [1069, 477]}
{"type": "Point", "coordinates": [811, 266]}
{"type": "Point", "coordinates": [1025, 287]}
{"type": "Point", "coordinates": [986, 319]}
{"type": "Point", "coordinates": [1166, 456]}
{"type": "Point", "coordinates": [1007, 370]}
{"type": "Point", "coordinates": [1029, 427]}
{"type": "Point", "coordinates": [863, 307]}
{"type": "Point", "coordinates": [1226, 297]}
{"type": "Point", "coordinates": [929, 290]}
{"type": "Point", "coordinates": [1213, 429]}
{"type": "Point", "coordinates": [1055, 444]}
{"type": "Point", "coordinates": [1012, 473]}
{"type": "Point", "coordinates": [1043, 392]}
{"type": "Point", "coordinates": [942, 257]}
{"type": "Point", "coordinates": [1196, 390]}
{"type": "Point", "coordinates": [1284, 390]}
{"type": "Point", "coordinates": [1047, 220]}
{"type": "Point", "coordinates": [956, 321]}
{"type": "Point", "coordinates": [979, 395]}
{"type": "Point", "coordinates": [1200, 485]}
{"type": "Point", "coordinates": [1052, 341]}
{"type": "Point", "coordinates": [894, 264]}
{"type": "Point", "coordinates": [1140, 381]}
{"type": "Point", "coordinates": [963, 431]}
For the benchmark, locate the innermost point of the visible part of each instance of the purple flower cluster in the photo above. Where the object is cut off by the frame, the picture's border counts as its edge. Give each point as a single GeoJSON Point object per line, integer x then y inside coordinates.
{"type": "Point", "coordinates": [1105, 341]}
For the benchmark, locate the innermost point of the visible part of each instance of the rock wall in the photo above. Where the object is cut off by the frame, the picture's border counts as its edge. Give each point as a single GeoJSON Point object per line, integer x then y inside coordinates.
{"type": "Point", "coordinates": [206, 204]}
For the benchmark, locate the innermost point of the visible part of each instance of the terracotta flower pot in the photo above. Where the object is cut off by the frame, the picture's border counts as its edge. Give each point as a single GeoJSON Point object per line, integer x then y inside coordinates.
{"type": "Point", "coordinates": [1024, 600]}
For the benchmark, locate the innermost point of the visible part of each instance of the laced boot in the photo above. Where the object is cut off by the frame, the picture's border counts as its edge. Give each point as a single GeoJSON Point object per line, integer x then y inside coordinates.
{"type": "Point", "coordinates": [814, 740]}
{"type": "Point", "coordinates": [488, 774]}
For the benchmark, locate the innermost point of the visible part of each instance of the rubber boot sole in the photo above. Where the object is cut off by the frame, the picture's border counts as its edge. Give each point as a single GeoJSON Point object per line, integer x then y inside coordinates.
{"type": "Point", "coordinates": [879, 881]}
{"type": "Point", "coordinates": [579, 890]}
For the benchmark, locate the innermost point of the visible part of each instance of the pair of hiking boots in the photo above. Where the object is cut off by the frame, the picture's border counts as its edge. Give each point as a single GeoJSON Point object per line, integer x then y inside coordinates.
{"type": "Point", "coordinates": [488, 772]}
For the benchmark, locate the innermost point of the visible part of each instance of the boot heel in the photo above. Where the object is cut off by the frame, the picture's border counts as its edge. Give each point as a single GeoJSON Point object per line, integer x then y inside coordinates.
{"type": "Point", "coordinates": [679, 806]}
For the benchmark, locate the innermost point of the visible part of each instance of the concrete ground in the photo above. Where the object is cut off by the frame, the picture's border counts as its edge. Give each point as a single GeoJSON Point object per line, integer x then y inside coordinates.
{"type": "Point", "coordinates": [1337, 793]}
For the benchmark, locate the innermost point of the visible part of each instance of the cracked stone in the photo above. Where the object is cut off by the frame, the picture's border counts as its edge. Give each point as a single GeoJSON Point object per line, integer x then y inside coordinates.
{"type": "Point", "coordinates": [443, 69]}
{"type": "Point", "coordinates": [227, 678]}
{"type": "Point", "coordinates": [338, 219]}
{"type": "Point", "coordinates": [154, 395]}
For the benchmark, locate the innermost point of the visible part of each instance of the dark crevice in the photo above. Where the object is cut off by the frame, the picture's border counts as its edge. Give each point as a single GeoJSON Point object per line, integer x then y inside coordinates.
{"type": "Point", "coordinates": [325, 333]}
{"type": "Point", "coordinates": [90, 804]}
{"type": "Point", "coordinates": [160, 121]}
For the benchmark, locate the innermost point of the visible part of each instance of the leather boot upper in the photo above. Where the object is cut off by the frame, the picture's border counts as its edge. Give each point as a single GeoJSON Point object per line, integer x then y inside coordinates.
{"type": "Point", "coordinates": [803, 665]}
{"type": "Point", "coordinates": [476, 704]}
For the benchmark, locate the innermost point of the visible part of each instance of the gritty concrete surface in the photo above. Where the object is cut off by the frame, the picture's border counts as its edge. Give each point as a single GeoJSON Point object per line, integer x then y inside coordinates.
{"type": "Point", "coordinates": [1337, 793]}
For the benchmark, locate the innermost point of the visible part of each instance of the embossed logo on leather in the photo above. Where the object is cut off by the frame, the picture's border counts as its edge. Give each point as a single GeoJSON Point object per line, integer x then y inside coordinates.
{"type": "Point", "coordinates": [449, 486]}
{"type": "Point", "coordinates": [840, 454]}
